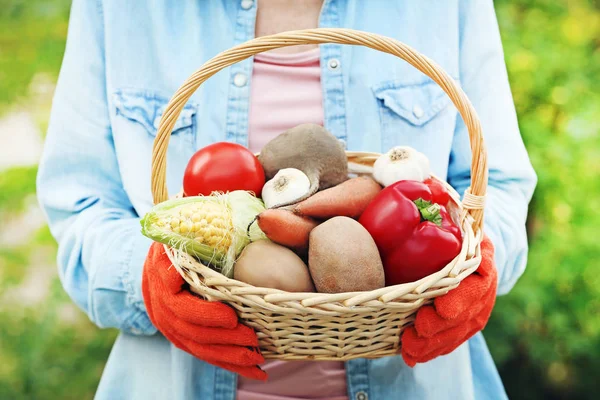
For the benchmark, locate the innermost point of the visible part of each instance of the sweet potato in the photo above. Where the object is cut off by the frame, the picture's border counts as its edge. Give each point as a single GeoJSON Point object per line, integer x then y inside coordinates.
{"type": "Point", "coordinates": [284, 227]}
{"type": "Point", "coordinates": [348, 199]}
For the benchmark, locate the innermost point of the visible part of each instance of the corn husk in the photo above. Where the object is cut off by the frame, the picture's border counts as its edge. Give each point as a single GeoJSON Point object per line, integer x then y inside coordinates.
{"type": "Point", "coordinates": [217, 246]}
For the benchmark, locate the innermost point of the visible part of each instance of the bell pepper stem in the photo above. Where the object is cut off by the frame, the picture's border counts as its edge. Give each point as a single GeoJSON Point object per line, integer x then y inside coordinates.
{"type": "Point", "coordinates": [429, 211]}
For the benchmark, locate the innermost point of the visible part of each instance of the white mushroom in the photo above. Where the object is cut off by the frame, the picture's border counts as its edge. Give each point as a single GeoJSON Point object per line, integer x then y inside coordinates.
{"type": "Point", "coordinates": [287, 186]}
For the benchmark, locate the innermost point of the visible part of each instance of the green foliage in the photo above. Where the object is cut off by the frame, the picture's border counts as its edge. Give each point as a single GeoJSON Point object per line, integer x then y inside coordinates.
{"type": "Point", "coordinates": [48, 350]}
{"type": "Point", "coordinates": [32, 40]}
{"type": "Point", "coordinates": [544, 335]}
{"type": "Point", "coordinates": [15, 185]}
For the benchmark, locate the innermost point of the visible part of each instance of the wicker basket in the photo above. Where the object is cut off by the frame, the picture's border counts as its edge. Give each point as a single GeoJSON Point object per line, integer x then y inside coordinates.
{"type": "Point", "coordinates": [319, 326]}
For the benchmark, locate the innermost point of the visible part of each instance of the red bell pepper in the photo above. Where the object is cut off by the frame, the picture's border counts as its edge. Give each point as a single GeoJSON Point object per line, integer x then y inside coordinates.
{"type": "Point", "coordinates": [412, 229]}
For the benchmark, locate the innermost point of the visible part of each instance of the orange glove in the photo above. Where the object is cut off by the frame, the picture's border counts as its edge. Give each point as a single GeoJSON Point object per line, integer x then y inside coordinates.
{"type": "Point", "coordinates": [454, 317]}
{"type": "Point", "coordinates": [208, 330]}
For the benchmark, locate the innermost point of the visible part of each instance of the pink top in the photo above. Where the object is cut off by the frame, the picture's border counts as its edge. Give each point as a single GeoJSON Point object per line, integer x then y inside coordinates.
{"type": "Point", "coordinates": [285, 92]}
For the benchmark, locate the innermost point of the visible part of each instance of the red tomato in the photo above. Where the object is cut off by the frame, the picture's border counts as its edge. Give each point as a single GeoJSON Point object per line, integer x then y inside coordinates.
{"type": "Point", "coordinates": [223, 167]}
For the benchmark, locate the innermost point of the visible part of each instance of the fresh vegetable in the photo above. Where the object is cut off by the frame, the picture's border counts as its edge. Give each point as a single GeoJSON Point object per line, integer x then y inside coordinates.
{"type": "Point", "coordinates": [311, 149]}
{"type": "Point", "coordinates": [413, 230]}
{"type": "Point", "coordinates": [286, 228]}
{"type": "Point", "coordinates": [223, 167]}
{"type": "Point", "coordinates": [287, 185]}
{"type": "Point", "coordinates": [343, 257]}
{"type": "Point", "coordinates": [401, 163]}
{"type": "Point", "coordinates": [347, 199]}
{"type": "Point", "coordinates": [213, 229]}
{"type": "Point", "coordinates": [438, 191]}
{"type": "Point", "coordinates": [267, 264]}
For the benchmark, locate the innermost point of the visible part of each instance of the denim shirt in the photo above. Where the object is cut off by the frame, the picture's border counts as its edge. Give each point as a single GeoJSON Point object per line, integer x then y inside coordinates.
{"type": "Point", "coordinates": [124, 60]}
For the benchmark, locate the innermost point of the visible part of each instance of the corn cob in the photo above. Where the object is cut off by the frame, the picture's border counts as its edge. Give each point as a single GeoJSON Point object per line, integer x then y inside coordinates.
{"type": "Point", "coordinates": [206, 222]}
{"type": "Point", "coordinates": [213, 229]}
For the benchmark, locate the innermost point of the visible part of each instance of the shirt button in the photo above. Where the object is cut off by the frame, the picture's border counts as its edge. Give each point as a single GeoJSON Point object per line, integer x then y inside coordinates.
{"type": "Point", "coordinates": [417, 111]}
{"type": "Point", "coordinates": [239, 80]}
{"type": "Point", "coordinates": [362, 396]}
{"type": "Point", "coordinates": [247, 4]}
{"type": "Point", "coordinates": [333, 64]}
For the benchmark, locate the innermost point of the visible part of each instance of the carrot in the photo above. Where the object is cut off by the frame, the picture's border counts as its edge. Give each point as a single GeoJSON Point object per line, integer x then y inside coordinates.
{"type": "Point", "coordinates": [286, 228]}
{"type": "Point", "coordinates": [348, 199]}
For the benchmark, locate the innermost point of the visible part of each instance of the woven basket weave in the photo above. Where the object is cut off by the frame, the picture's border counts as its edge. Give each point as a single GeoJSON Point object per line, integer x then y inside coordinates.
{"type": "Point", "coordinates": [321, 326]}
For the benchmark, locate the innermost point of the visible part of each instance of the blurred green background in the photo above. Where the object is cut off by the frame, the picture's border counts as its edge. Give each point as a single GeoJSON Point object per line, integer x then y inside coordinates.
{"type": "Point", "coordinates": [544, 335]}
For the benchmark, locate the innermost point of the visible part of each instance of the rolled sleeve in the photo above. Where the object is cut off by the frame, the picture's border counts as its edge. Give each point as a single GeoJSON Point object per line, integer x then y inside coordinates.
{"type": "Point", "coordinates": [101, 250]}
{"type": "Point", "coordinates": [115, 299]}
{"type": "Point", "coordinates": [512, 179]}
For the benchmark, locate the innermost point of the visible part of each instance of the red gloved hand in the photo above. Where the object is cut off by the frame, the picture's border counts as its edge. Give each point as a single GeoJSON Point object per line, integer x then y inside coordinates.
{"type": "Point", "coordinates": [207, 330]}
{"type": "Point", "coordinates": [454, 317]}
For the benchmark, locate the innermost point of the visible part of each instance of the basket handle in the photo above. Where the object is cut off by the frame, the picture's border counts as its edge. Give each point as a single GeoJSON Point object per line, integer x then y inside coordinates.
{"type": "Point", "coordinates": [473, 201]}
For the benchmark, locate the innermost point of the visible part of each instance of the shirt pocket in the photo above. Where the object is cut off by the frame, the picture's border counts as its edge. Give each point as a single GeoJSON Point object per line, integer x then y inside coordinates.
{"type": "Point", "coordinates": [413, 114]}
{"type": "Point", "coordinates": [135, 125]}
{"type": "Point", "coordinates": [147, 108]}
